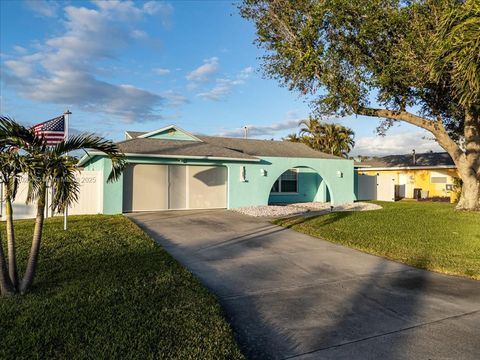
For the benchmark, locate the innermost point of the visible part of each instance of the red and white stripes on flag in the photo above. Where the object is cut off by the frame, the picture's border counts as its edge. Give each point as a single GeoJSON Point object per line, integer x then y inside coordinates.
{"type": "Point", "coordinates": [52, 131]}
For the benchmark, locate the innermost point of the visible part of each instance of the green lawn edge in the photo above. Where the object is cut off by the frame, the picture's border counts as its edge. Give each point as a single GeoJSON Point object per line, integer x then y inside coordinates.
{"type": "Point", "coordinates": [104, 289]}
{"type": "Point", "coordinates": [431, 236]}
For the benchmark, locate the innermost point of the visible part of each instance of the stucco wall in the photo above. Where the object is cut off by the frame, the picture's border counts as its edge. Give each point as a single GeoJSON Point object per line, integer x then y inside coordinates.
{"type": "Point", "coordinates": [337, 175]}
{"type": "Point", "coordinates": [420, 178]}
{"type": "Point", "coordinates": [308, 189]}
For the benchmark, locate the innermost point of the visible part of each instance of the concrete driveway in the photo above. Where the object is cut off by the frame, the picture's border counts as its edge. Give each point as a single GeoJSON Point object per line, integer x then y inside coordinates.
{"type": "Point", "coordinates": [289, 295]}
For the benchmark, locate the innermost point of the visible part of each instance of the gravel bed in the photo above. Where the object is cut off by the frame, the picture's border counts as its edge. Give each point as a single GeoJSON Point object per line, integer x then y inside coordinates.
{"type": "Point", "coordinates": [302, 208]}
{"type": "Point", "coordinates": [271, 210]}
{"type": "Point", "coordinates": [358, 206]}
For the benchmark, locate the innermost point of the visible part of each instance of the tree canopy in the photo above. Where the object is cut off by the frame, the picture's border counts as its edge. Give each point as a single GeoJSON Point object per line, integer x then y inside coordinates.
{"type": "Point", "coordinates": [415, 61]}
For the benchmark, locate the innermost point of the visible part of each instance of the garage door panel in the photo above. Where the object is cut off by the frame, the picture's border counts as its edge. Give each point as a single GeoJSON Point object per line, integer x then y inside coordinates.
{"type": "Point", "coordinates": [207, 187]}
{"type": "Point", "coordinates": [161, 187]}
{"type": "Point", "coordinates": [145, 187]}
{"type": "Point", "coordinates": [178, 184]}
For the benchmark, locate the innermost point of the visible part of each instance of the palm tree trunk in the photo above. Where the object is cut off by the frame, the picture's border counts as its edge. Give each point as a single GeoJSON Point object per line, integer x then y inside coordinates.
{"type": "Point", "coordinates": [6, 287]}
{"type": "Point", "coordinates": [36, 240]}
{"type": "Point", "coordinates": [12, 256]}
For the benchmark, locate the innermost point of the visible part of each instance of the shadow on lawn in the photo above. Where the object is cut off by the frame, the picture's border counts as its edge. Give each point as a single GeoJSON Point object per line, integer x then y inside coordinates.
{"type": "Point", "coordinates": [321, 219]}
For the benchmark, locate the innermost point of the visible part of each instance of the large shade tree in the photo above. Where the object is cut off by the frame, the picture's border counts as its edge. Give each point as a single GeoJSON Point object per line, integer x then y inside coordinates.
{"type": "Point", "coordinates": [21, 151]}
{"type": "Point", "coordinates": [413, 61]}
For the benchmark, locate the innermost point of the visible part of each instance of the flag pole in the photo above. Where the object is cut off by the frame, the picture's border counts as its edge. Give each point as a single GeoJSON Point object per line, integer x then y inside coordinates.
{"type": "Point", "coordinates": [67, 120]}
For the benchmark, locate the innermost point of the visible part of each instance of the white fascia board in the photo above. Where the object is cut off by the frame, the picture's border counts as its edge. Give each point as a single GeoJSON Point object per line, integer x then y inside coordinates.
{"type": "Point", "coordinates": [88, 156]}
{"type": "Point", "coordinates": [409, 168]}
{"type": "Point", "coordinates": [93, 153]}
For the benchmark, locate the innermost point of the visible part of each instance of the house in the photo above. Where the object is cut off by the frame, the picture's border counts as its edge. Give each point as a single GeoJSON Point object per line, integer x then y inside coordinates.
{"type": "Point", "coordinates": [433, 173]}
{"type": "Point", "coordinates": [170, 168]}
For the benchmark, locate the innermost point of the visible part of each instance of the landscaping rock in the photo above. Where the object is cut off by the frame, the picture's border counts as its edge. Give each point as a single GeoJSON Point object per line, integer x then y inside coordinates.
{"type": "Point", "coordinates": [302, 208]}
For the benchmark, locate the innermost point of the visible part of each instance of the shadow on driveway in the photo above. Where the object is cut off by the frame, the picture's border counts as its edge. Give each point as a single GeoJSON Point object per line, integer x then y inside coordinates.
{"type": "Point", "coordinates": [289, 295]}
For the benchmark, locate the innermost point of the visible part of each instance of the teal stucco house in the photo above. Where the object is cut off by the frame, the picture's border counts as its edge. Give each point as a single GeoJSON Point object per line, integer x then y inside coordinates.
{"type": "Point", "coordinates": [170, 168]}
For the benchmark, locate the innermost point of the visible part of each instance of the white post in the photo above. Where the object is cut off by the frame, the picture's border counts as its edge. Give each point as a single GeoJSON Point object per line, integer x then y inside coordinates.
{"type": "Point", "coordinates": [67, 120]}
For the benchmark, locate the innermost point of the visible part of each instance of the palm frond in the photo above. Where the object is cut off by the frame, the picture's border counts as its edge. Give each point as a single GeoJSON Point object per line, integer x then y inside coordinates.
{"type": "Point", "coordinates": [90, 141]}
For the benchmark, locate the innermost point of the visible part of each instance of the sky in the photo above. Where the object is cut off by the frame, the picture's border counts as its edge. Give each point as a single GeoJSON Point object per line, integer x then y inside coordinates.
{"type": "Point", "coordinates": [143, 65]}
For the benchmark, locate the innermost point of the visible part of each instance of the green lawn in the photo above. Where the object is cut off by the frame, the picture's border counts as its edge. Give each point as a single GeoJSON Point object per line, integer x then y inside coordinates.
{"type": "Point", "coordinates": [427, 235]}
{"type": "Point", "coordinates": [104, 290]}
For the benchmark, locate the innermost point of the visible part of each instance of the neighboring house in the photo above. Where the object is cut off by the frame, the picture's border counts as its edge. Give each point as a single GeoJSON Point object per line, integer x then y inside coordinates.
{"type": "Point", "coordinates": [170, 168]}
{"type": "Point", "coordinates": [432, 172]}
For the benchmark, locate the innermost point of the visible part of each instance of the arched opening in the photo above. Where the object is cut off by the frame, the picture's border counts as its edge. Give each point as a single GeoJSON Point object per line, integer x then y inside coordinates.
{"type": "Point", "coordinates": [299, 184]}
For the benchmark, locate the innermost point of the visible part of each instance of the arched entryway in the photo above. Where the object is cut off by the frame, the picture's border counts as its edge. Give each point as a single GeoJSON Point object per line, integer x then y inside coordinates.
{"type": "Point", "coordinates": [299, 184]}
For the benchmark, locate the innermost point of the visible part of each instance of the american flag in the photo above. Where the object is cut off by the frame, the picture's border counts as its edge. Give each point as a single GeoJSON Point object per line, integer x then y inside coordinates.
{"type": "Point", "coordinates": [52, 131]}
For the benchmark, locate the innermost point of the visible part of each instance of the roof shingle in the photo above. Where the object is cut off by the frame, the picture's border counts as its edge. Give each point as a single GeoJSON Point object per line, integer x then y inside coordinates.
{"type": "Point", "coordinates": [247, 147]}
{"type": "Point", "coordinates": [425, 159]}
{"type": "Point", "coordinates": [147, 146]}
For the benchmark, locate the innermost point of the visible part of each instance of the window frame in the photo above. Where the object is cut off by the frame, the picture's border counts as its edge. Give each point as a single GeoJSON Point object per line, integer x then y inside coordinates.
{"type": "Point", "coordinates": [280, 180]}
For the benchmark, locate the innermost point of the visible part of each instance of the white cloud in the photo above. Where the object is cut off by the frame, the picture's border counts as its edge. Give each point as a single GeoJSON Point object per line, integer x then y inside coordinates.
{"type": "Point", "coordinates": [63, 70]}
{"type": "Point", "coordinates": [175, 99]}
{"type": "Point", "coordinates": [138, 34]}
{"type": "Point", "coordinates": [401, 143]}
{"type": "Point", "coordinates": [20, 49]}
{"type": "Point", "coordinates": [47, 8]}
{"type": "Point", "coordinates": [20, 68]}
{"type": "Point", "coordinates": [161, 8]}
{"type": "Point", "coordinates": [161, 71]}
{"type": "Point", "coordinates": [262, 130]}
{"type": "Point", "coordinates": [203, 72]}
{"type": "Point", "coordinates": [223, 87]}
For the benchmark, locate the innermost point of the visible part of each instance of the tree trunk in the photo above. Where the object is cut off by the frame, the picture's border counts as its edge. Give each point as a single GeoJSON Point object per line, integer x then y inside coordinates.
{"type": "Point", "coordinates": [469, 164]}
{"type": "Point", "coordinates": [470, 196]}
{"type": "Point", "coordinates": [36, 240]}
{"type": "Point", "coordinates": [12, 256]}
{"type": "Point", "coordinates": [6, 287]}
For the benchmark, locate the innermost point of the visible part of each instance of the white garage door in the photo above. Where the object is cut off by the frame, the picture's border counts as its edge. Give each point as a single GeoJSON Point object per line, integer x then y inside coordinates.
{"type": "Point", "coordinates": [163, 187]}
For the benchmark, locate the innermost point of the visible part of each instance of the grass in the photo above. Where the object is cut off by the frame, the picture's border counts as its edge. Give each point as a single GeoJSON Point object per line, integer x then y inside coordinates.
{"type": "Point", "coordinates": [105, 290]}
{"type": "Point", "coordinates": [427, 235]}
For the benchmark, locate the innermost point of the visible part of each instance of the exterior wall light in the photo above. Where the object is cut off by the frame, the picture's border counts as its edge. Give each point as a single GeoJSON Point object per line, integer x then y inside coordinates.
{"type": "Point", "coordinates": [243, 174]}
{"type": "Point", "coordinates": [263, 172]}
{"type": "Point", "coordinates": [339, 174]}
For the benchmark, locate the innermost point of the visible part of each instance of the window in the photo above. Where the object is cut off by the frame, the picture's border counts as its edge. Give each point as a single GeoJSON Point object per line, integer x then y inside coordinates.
{"type": "Point", "coordinates": [438, 179]}
{"type": "Point", "coordinates": [286, 183]}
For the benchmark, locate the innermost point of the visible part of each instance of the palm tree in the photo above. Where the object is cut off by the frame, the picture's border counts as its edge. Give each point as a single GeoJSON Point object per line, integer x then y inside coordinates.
{"type": "Point", "coordinates": [11, 167]}
{"type": "Point", "coordinates": [51, 165]}
{"type": "Point", "coordinates": [334, 139]}
{"type": "Point", "coordinates": [311, 132]}
{"type": "Point", "coordinates": [293, 138]}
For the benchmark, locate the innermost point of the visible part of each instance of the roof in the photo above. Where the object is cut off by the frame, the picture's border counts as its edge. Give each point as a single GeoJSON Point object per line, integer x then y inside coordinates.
{"type": "Point", "coordinates": [430, 159]}
{"type": "Point", "coordinates": [182, 148]}
{"type": "Point", "coordinates": [254, 147]}
{"type": "Point", "coordinates": [134, 134]}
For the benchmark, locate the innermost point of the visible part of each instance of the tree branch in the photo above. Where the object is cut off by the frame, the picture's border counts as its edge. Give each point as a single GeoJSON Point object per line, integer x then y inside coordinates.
{"type": "Point", "coordinates": [435, 128]}
{"type": "Point", "coordinates": [398, 115]}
